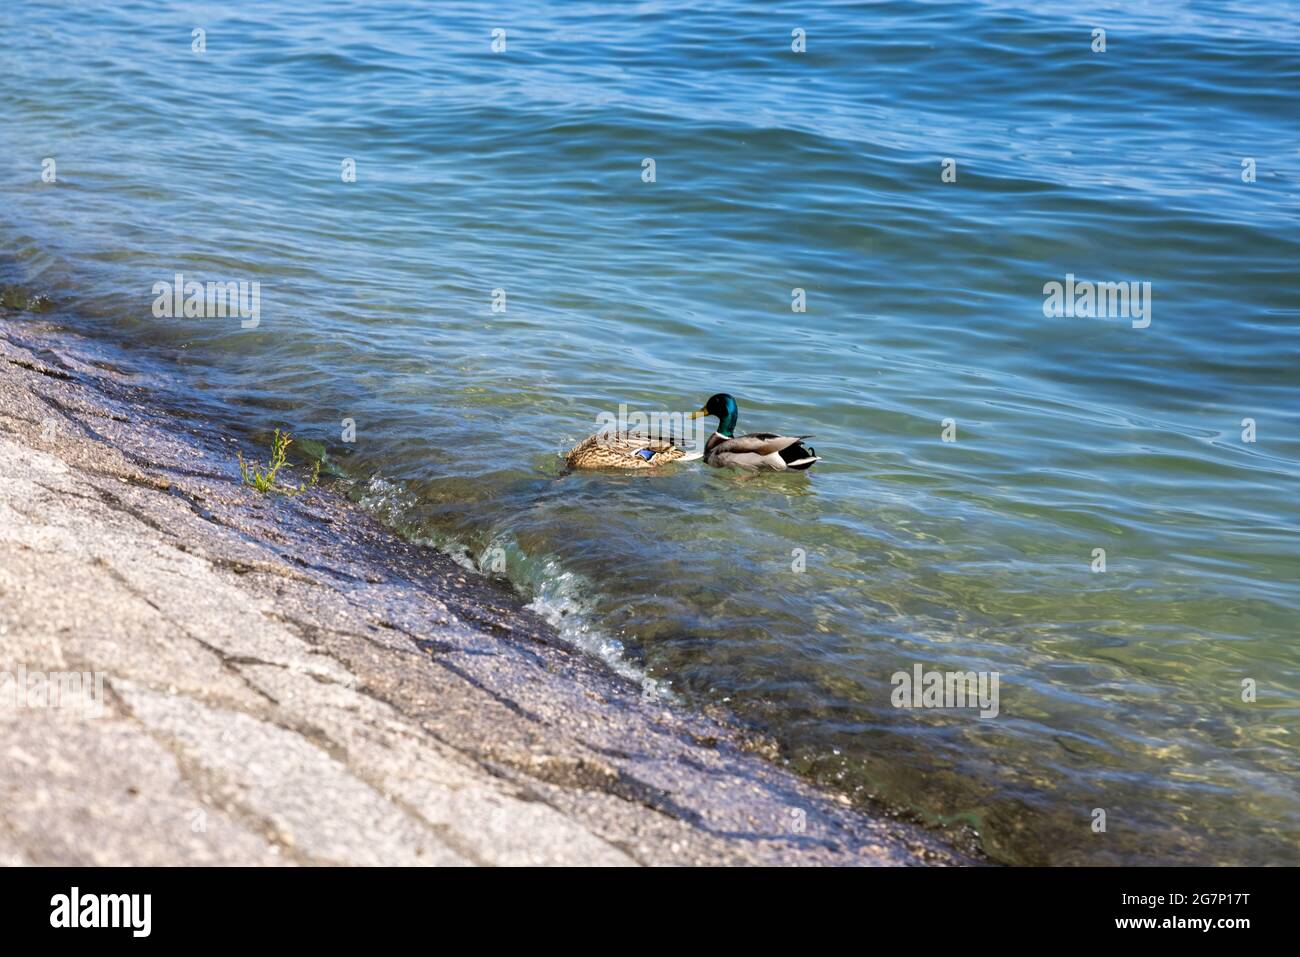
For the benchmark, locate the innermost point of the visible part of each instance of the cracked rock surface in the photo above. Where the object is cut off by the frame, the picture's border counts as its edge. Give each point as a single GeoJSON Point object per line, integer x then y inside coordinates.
{"type": "Point", "coordinates": [286, 682]}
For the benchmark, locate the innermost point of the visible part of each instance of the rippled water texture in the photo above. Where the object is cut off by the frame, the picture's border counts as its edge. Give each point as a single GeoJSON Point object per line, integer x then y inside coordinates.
{"type": "Point", "coordinates": [523, 171]}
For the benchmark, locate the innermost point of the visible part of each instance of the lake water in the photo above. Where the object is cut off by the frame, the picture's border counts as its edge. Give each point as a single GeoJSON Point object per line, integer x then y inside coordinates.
{"type": "Point", "coordinates": [790, 600]}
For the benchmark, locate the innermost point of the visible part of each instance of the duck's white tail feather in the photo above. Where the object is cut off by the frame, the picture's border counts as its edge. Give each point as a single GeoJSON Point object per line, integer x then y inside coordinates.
{"type": "Point", "coordinates": [691, 457]}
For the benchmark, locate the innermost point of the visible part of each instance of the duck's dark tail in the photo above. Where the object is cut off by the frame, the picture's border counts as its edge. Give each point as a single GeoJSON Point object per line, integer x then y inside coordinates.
{"type": "Point", "coordinates": [799, 456]}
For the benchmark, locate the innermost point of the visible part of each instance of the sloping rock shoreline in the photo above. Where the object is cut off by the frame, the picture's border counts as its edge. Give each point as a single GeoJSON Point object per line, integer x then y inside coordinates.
{"type": "Point", "coordinates": [287, 682]}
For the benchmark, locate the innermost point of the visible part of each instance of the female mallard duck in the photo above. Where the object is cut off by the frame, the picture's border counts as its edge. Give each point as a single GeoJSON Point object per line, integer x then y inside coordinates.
{"type": "Point", "coordinates": [624, 450]}
{"type": "Point", "coordinates": [757, 452]}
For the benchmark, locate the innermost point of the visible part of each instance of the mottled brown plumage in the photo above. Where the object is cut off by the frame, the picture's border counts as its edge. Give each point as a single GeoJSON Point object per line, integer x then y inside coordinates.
{"type": "Point", "coordinates": [623, 450]}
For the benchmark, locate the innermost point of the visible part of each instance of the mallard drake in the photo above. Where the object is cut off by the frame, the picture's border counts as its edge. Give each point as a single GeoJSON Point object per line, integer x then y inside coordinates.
{"type": "Point", "coordinates": [625, 450]}
{"type": "Point", "coordinates": [756, 452]}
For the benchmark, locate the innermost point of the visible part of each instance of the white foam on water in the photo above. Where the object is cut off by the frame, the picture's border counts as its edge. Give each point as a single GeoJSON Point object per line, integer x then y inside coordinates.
{"type": "Point", "coordinates": [557, 595]}
{"type": "Point", "coordinates": [559, 598]}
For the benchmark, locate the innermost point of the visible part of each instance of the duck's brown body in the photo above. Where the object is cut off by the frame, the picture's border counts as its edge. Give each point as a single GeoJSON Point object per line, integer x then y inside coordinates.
{"type": "Point", "coordinates": [623, 450]}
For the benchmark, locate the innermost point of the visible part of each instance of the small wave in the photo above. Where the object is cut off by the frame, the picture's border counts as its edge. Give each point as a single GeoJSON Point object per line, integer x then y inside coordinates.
{"type": "Point", "coordinates": [561, 597]}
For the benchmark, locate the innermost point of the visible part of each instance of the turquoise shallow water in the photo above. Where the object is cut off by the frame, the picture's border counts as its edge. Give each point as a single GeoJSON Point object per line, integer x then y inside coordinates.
{"type": "Point", "coordinates": [522, 171]}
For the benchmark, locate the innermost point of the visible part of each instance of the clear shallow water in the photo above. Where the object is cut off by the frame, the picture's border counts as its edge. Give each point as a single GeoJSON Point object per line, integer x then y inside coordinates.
{"type": "Point", "coordinates": [522, 171]}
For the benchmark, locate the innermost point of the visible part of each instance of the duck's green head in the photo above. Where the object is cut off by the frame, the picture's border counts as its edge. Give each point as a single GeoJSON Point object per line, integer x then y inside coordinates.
{"type": "Point", "coordinates": [722, 407]}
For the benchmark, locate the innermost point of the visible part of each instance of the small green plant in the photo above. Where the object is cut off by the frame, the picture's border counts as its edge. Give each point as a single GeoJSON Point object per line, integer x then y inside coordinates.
{"type": "Point", "coordinates": [263, 479]}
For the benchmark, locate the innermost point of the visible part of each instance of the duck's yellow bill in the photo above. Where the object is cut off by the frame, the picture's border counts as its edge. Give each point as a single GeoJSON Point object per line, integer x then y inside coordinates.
{"type": "Point", "coordinates": [698, 413]}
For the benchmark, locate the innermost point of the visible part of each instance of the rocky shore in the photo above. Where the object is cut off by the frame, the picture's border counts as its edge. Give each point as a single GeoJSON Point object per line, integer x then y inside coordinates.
{"type": "Point", "coordinates": [281, 680]}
